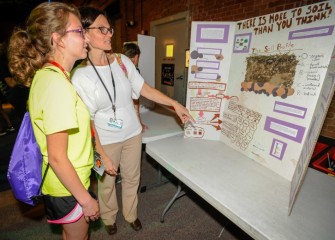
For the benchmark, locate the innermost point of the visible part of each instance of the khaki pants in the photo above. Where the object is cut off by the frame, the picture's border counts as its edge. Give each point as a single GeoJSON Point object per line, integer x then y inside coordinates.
{"type": "Point", "coordinates": [127, 155]}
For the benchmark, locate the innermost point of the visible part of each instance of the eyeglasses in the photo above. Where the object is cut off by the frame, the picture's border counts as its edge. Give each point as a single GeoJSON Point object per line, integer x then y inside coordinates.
{"type": "Point", "coordinates": [81, 31]}
{"type": "Point", "coordinates": [103, 30]}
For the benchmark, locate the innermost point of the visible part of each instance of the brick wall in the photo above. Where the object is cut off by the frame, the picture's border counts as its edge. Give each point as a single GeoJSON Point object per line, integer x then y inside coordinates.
{"type": "Point", "coordinates": [210, 10]}
{"type": "Point", "coordinates": [200, 10]}
{"type": "Point", "coordinates": [328, 128]}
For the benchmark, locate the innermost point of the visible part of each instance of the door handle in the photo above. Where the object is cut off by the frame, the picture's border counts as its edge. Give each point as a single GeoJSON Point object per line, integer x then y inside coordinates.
{"type": "Point", "coordinates": [181, 77]}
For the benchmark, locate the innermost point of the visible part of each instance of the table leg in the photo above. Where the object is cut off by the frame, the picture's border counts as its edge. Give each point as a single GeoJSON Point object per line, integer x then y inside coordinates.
{"type": "Point", "coordinates": [160, 181]}
{"type": "Point", "coordinates": [160, 178]}
{"type": "Point", "coordinates": [178, 194]}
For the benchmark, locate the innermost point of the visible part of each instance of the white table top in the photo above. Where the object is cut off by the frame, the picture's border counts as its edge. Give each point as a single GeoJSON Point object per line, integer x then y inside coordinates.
{"type": "Point", "coordinates": [250, 195]}
{"type": "Point", "coordinates": [162, 123]}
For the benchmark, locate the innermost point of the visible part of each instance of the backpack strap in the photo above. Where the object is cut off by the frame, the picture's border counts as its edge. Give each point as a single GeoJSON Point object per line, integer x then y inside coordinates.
{"type": "Point", "coordinates": [119, 61]}
{"type": "Point", "coordinates": [43, 178]}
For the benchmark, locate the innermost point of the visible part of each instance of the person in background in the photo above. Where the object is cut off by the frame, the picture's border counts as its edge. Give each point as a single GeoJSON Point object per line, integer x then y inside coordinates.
{"type": "Point", "coordinates": [103, 85]}
{"type": "Point", "coordinates": [18, 98]}
{"type": "Point", "coordinates": [4, 117]}
{"type": "Point", "coordinates": [41, 56]}
{"type": "Point", "coordinates": [16, 94]}
{"type": "Point", "coordinates": [4, 93]}
{"type": "Point", "coordinates": [132, 51]}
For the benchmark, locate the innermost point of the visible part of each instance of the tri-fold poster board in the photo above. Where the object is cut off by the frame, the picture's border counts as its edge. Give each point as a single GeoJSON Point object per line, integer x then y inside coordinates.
{"type": "Point", "coordinates": [263, 85]}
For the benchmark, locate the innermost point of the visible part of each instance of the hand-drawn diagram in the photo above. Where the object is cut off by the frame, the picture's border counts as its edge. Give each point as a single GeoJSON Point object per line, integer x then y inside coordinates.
{"type": "Point", "coordinates": [309, 81]}
{"type": "Point", "coordinates": [240, 124]}
{"type": "Point", "coordinates": [194, 132]}
{"type": "Point", "coordinates": [206, 103]}
{"type": "Point", "coordinates": [271, 75]}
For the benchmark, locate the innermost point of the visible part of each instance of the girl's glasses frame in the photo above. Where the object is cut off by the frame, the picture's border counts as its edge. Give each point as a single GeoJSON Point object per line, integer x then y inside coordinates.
{"type": "Point", "coordinates": [81, 31]}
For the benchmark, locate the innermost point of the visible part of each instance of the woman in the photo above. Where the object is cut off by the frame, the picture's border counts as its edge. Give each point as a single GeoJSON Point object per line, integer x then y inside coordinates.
{"type": "Point", "coordinates": [103, 85]}
{"type": "Point", "coordinates": [15, 94]}
{"type": "Point", "coordinates": [4, 116]}
{"type": "Point", "coordinates": [4, 92]}
{"type": "Point", "coordinates": [41, 56]}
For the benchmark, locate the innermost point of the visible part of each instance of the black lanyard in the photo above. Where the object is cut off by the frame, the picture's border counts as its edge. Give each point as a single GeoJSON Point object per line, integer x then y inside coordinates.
{"type": "Point", "coordinates": [113, 102]}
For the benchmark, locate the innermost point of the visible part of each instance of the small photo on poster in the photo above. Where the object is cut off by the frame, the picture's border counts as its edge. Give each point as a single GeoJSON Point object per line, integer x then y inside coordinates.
{"type": "Point", "coordinates": [278, 149]}
{"type": "Point", "coordinates": [168, 74]}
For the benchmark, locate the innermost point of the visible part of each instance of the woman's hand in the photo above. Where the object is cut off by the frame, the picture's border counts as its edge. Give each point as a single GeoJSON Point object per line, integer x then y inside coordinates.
{"type": "Point", "coordinates": [110, 167]}
{"type": "Point", "coordinates": [182, 113]}
{"type": "Point", "coordinates": [156, 96]}
{"type": "Point", "coordinates": [144, 127]}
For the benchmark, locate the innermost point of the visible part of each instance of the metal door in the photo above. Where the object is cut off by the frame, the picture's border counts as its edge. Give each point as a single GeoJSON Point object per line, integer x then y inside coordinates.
{"type": "Point", "coordinates": [172, 30]}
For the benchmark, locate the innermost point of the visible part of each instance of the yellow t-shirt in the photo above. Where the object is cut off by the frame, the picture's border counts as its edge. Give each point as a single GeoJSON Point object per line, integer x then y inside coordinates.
{"type": "Point", "coordinates": [54, 106]}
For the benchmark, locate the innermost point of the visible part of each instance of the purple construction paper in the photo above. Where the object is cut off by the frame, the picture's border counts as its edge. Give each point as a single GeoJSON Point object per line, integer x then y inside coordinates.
{"type": "Point", "coordinates": [300, 129]}
{"type": "Point", "coordinates": [290, 106]}
{"type": "Point", "coordinates": [310, 32]}
{"type": "Point", "coordinates": [224, 39]}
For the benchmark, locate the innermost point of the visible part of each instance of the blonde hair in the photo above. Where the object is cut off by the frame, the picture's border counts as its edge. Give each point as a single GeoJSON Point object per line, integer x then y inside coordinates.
{"type": "Point", "coordinates": [30, 48]}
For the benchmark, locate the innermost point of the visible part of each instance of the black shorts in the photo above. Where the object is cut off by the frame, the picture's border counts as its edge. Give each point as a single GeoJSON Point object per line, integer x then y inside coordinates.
{"type": "Point", "coordinates": [63, 210]}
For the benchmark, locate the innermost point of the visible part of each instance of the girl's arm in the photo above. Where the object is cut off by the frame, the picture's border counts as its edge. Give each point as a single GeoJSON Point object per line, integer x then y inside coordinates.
{"type": "Point", "coordinates": [57, 144]}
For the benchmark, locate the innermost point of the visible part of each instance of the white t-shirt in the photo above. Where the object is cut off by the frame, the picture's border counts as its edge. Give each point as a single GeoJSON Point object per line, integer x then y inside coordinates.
{"type": "Point", "coordinates": [94, 95]}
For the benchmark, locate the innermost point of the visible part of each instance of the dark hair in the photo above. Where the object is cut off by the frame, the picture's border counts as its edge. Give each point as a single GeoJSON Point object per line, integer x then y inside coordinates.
{"type": "Point", "coordinates": [89, 15]}
{"type": "Point", "coordinates": [30, 48]}
{"type": "Point", "coordinates": [131, 50]}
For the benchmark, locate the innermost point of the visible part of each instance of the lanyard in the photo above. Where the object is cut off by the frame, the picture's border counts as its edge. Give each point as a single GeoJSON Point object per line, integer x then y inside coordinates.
{"type": "Point", "coordinates": [56, 64]}
{"type": "Point", "coordinates": [113, 102]}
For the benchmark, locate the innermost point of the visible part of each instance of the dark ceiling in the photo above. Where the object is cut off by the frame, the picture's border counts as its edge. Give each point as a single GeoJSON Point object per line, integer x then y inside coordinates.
{"type": "Point", "coordinates": [15, 12]}
{"type": "Point", "coordinates": [18, 10]}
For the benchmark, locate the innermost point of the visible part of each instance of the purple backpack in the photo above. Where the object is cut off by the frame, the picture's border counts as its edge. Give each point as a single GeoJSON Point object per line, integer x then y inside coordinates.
{"type": "Point", "coordinates": [25, 166]}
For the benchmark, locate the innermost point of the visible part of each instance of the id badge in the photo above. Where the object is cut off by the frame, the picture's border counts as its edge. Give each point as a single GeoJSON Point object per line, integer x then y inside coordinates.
{"type": "Point", "coordinates": [117, 123]}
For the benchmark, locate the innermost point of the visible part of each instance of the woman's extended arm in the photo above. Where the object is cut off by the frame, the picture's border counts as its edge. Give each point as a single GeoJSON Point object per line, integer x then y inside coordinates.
{"type": "Point", "coordinates": [156, 96]}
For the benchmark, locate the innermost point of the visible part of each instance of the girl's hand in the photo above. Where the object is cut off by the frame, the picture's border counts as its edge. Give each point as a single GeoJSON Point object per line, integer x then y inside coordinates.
{"type": "Point", "coordinates": [91, 210]}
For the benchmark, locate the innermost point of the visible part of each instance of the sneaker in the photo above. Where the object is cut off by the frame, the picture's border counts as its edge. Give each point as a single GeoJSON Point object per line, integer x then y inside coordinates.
{"type": "Point", "coordinates": [11, 129]}
{"type": "Point", "coordinates": [3, 133]}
